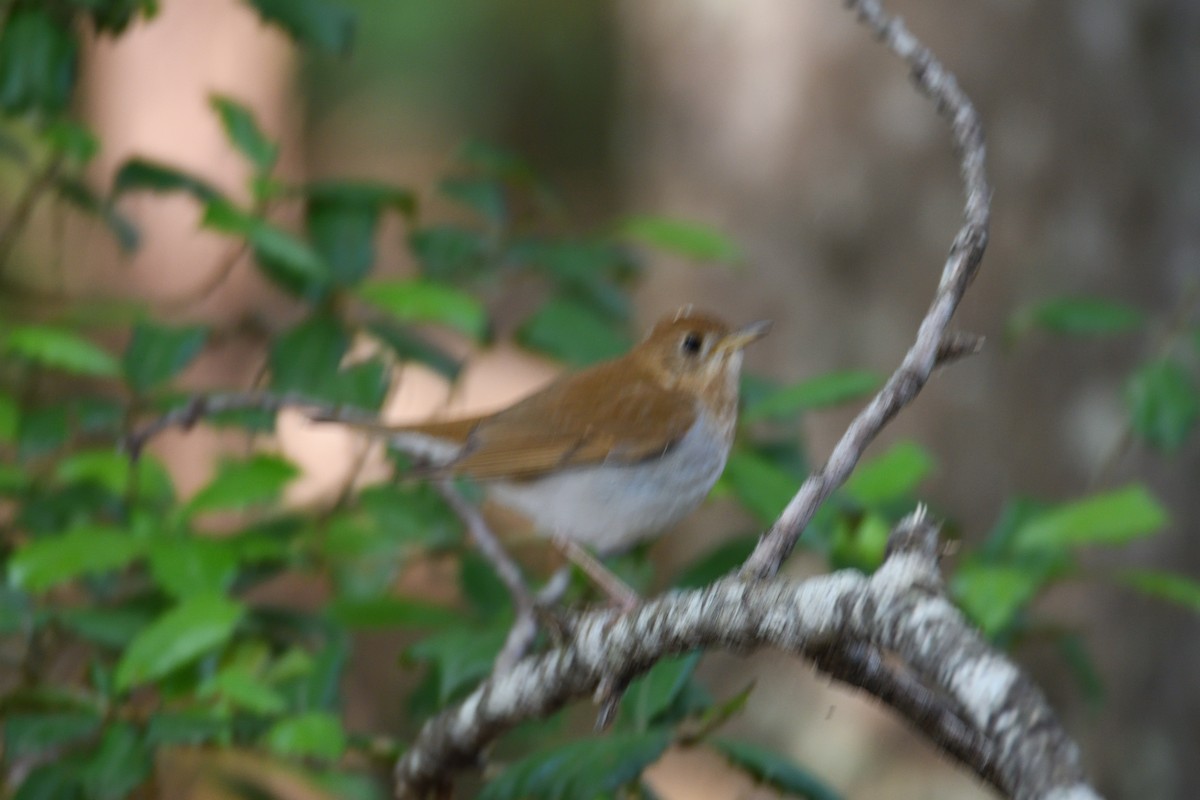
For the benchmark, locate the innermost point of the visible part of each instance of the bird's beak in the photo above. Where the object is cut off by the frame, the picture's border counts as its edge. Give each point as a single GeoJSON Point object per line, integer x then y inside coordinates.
{"type": "Point", "coordinates": [745, 335]}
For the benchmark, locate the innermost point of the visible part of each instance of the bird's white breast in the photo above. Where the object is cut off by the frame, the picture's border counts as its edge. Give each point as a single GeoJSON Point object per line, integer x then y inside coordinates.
{"type": "Point", "coordinates": [610, 507]}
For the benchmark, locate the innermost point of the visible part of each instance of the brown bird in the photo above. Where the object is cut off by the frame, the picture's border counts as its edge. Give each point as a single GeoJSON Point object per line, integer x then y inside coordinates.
{"type": "Point", "coordinates": [612, 454]}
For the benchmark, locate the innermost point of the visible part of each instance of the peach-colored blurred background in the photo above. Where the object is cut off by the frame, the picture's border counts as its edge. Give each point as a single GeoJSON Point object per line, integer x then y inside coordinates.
{"type": "Point", "coordinates": [784, 125]}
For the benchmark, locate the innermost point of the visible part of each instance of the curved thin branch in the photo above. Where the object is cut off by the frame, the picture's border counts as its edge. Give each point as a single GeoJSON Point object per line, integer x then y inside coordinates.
{"type": "Point", "coordinates": [1007, 733]}
{"type": "Point", "coordinates": [938, 84]}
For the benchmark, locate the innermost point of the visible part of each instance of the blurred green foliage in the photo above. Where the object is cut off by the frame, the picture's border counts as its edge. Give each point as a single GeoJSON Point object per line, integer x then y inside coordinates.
{"type": "Point", "coordinates": [102, 557]}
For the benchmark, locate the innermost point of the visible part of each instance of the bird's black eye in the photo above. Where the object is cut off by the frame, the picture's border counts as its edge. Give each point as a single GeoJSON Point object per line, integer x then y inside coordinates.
{"type": "Point", "coordinates": [690, 344]}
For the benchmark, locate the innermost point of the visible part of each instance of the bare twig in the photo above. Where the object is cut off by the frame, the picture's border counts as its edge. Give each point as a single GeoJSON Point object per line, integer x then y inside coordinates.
{"type": "Point", "coordinates": [1006, 733]}
{"type": "Point", "coordinates": [489, 546]}
{"type": "Point", "coordinates": [910, 377]}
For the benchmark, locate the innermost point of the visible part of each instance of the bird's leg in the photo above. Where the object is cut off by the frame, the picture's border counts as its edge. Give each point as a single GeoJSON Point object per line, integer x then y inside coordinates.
{"type": "Point", "coordinates": [617, 590]}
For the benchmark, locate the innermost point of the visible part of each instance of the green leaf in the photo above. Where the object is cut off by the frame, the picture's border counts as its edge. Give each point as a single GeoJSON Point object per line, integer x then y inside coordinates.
{"type": "Point", "coordinates": [761, 485]}
{"type": "Point", "coordinates": [463, 656]}
{"type": "Point", "coordinates": [157, 353]}
{"type": "Point", "coordinates": [653, 693]}
{"type": "Point", "coordinates": [1164, 404]}
{"type": "Point", "coordinates": [72, 140]}
{"type": "Point", "coordinates": [288, 261]}
{"type": "Point", "coordinates": [32, 734]}
{"type": "Point", "coordinates": [138, 174]}
{"type": "Point", "coordinates": [10, 419]}
{"type": "Point", "coordinates": [482, 195]}
{"type": "Point", "coordinates": [408, 345]}
{"type": "Point", "coordinates": [573, 333]}
{"type": "Point", "coordinates": [85, 550]}
{"type": "Point", "coordinates": [822, 391]}
{"type": "Point", "coordinates": [418, 300]}
{"type": "Point", "coordinates": [193, 566]}
{"type": "Point", "coordinates": [342, 219]}
{"type": "Point", "coordinates": [687, 239]}
{"type": "Point", "coordinates": [1114, 517]}
{"type": "Point", "coordinates": [196, 626]}
{"type": "Point", "coordinates": [186, 727]}
{"type": "Point", "coordinates": [118, 765]}
{"type": "Point", "coordinates": [38, 61]}
{"type": "Point", "coordinates": [306, 358]}
{"type": "Point", "coordinates": [447, 252]}
{"type": "Point", "coordinates": [1179, 589]}
{"type": "Point", "coordinates": [860, 543]}
{"type": "Point", "coordinates": [893, 475]}
{"type": "Point", "coordinates": [774, 770]}
{"type": "Point", "coordinates": [242, 130]}
{"type": "Point", "coordinates": [716, 563]}
{"type": "Point", "coordinates": [316, 23]}
{"type": "Point", "coordinates": [1078, 316]}
{"type": "Point", "coordinates": [241, 484]}
{"type": "Point", "coordinates": [108, 626]}
{"type": "Point", "coordinates": [112, 469]}
{"type": "Point", "coordinates": [580, 770]}
{"type": "Point", "coordinates": [241, 688]}
{"type": "Point", "coordinates": [58, 780]}
{"type": "Point", "coordinates": [315, 734]}
{"type": "Point", "coordinates": [391, 613]}
{"type": "Point", "coordinates": [59, 349]}
{"type": "Point", "coordinates": [992, 595]}
{"type": "Point", "coordinates": [43, 429]}
{"type": "Point", "coordinates": [80, 195]}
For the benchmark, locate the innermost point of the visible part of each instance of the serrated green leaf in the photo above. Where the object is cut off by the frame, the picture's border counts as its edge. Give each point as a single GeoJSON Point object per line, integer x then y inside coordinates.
{"type": "Point", "coordinates": [580, 770]}
{"type": "Point", "coordinates": [687, 239]}
{"type": "Point", "coordinates": [1179, 589]}
{"type": "Point", "coordinates": [1114, 517]}
{"type": "Point", "coordinates": [59, 349]}
{"type": "Point", "coordinates": [242, 130]}
{"type": "Point", "coordinates": [573, 333]}
{"type": "Point", "coordinates": [774, 770]}
{"type": "Point", "coordinates": [183, 634]}
{"type": "Point", "coordinates": [157, 353]}
{"type": "Point", "coordinates": [317, 23]}
{"type": "Point", "coordinates": [85, 550]}
{"type": "Point", "coordinates": [822, 391]}
{"type": "Point", "coordinates": [653, 693]}
{"type": "Point", "coordinates": [139, 174]}
{"type": "Point", "coordinates": [240, 484]}
{"type": "Point", "coordinates": [1077, 315]}
{"type": "Point", "coordinates": [418, 300]}
{"type": "Point", "coordinates": [892, 475]}
{"type": "Point", "coordinates": [38, 61]}
{"type": "Point", "coordinates": [1164, 404]}
{"type": "Point", "coordinates": [193, 565]}
{"type": "Point", "coordinates": [315, 734]}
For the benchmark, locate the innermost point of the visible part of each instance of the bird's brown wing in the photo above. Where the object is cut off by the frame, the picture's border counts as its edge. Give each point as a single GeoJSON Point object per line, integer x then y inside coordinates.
{"type": "Point", "coordinates": [579, 420]}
